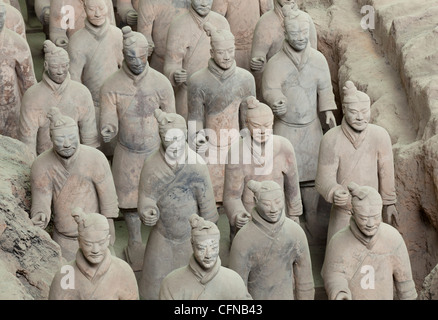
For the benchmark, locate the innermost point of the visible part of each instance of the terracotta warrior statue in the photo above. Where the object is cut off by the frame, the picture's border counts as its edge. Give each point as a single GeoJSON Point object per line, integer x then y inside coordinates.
{"type": "Point", "coordinates": [66, 17]}
{"type": "Point", "coordinates": [56, 89]}
{"type": "Point", "coordinates": [128, 101]}
{"type": "Point", "coordinates": [242, 15]}
{"type": "Point", "coordinates": [269, 35]}
{"type": "Point", "coordinates": [297, 86]}
{"type": "Point", "coordinates": [203, 278]}
{"type": "Point", "coordinates": [96, 273]}
{"type": "Point", "coordinates": [174, 184]}
{"type": "Point", "coordinates": [127, 11]}
{"type": "Point", "coordinates": [271, 253]}
{"type": "Point", "coordinates": [367, 259]}
{"type": "Point", "coordinates": [17, 75]}
{"type": "Point", "coordinates": [356, 151]}
{"type": "Point", "coordinates": [67, 176]}
{"type": "Point", "coordinates": [216, 95]}
{"type": "Point", "coordinates": [188, 47]}
{"type": "Point", "coordinates": [259, 156]}
{"type": "Point", "coordinates": [14, 19]}
{"type": "Point", "coordinates": [154, 18]}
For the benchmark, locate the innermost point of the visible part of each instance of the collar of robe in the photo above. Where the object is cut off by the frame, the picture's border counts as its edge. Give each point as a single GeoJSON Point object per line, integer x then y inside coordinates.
{"type": "Point", "coordinates": [356, 138]}
{"type": "Point", "coordinates": [220, 73]}
{"type": "Point", "coordinates": [299, 59]}
{"type": "Point", "coordinates": [136, 78]}
{"type": "Point", "coordinates": [57, 89]}
{"type": "Point", "coordinates": [269, 228]}
{"type": "Point", "coordinates": [89, 271]}
{"type": "Point", "coordinates": [200, 21]}
{"type": "Point", "coordinates": [204, 276]}
{"type": "Point", "coordinates": [97, 32]}
{"type": "Point", "coordinates": [368, 242]}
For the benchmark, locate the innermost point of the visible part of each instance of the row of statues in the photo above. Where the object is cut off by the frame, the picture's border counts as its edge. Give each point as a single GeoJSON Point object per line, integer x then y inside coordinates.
{"type": "Point", "coordinates": [167, 130]}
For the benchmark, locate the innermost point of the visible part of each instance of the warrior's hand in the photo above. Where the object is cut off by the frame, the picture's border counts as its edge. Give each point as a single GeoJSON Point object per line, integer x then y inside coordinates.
{"type": "Point", "coordinates": [62, 42]}
{"type": "Point", "coordinates": [330, 119]}
{"type": "Point", "coordinates": [149, 217]}
{"type": "Point", "coordinates": [40, 220]}
{"type": "Point", "coordinates": [341, 197]}
{"type": "Point", "coordinates": [390, 215]}
{"type": "Point", "coordinates": [257, 63]}
{"type": "Point", "coordinates": [107, 133]}
{"type": "Point", "coordinates": [279, 107]}
{"type": "Point", "coordinates": [242, 218]}
{"type": "Point", "coordinates": [180, 76]}
{"type": "Point", "coordinates": [132, 17]}
{"type": "Point", "coordinates": [201, 144]}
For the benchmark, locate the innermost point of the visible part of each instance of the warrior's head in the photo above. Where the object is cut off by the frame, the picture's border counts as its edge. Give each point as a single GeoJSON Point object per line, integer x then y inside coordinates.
{"type": "Point", "coordinates": [202, 7]}
{"type": "Point", "coordinates": [297, 26]}
{"type": "Point", "coordinates": [64, 133]}
{"type": "Point", "coordinates": [173, 133]}
{"type": "Point", "coordinates": [97, 11]}
{"type": "Point", "coordinates": [222, 46]}
{"type": "Point", "coordinates": [356, 107]}
{"type": "Point", "coordinates": [259, 120]}
{"type": "Point", "coordinates": [56, 62]}
{"type": "Point", "coordinates": [268, 198]}
{"type": "Point", "coordinates": [205, 241]}
{"type": "Point", "coordinates": [135, 50]}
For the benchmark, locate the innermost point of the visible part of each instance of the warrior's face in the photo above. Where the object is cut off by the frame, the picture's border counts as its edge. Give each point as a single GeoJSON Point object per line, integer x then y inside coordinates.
{"type": "Point", "coordinates": [223, 53]}
{"type": "Point", "coordinates": [284, 2]}
{"type": "Point", "coordinates": [206, 251]}
{"type": "Point", "coordinates": [65, 141]}
{"type": "Point", "coordinates": [357, 115]}
{"type": "Point", "coordinates": [57, 69]}
{"type": "Point", "coordinates": [270, 205]}
{"type": "Point", "coordinates": [260, 127]}
{"type": "Point", "coordinates": [174, 143]}
{"type": "Point", "coordinates": [297, 34]}
{"type": "Point", "coordinates": [94, 245]}
{"type": "Point", "coordinates": [96, 11]}
{"type": "Point", "coordinates": [368, 218]}
{"type": "Point", "coordinates": [136, 58]}
{"type": "Point", "coordinates": [202, 7]}
{"type": "Point", "coordinates": [2, 16]}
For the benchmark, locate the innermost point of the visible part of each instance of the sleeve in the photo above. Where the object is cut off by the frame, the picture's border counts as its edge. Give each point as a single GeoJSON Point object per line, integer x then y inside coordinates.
{"type": "Point", "coordinates": [326, 176]}
{"type": "Point", "coordinates": [304, 284]}
{"type": "Point", "coordinates": [239, 256]}
{"type": "Point", "coordinates": [108, 109]}
{"type": "Point", "coordinates": [260, 43]}
{"type": "Point", "coordinates": [250, 91]}
{"type": "Point", "coordinates": [123, 7]}
{"type": "Point", "coordinates": [129, 286]}
{"type": "Point", "coordinates": [77, 58]}
{"type": "Point", "coordinates": [146, 195]}
{"type": "Point", "coordinates": [291, 182]}
{"type": "Point", "coordinates": [111, 15]}
{"type": "Point", "coordinates": [234, 184]}
{"type": "Point", "coordinates": [195, 98]}
{"type": "Point", "coordinates": [56, 291]}
{"type": "Point", "coordinates": [220, 6]}
{"type": "Point", "coordinates": [40, 6]}
{"type": "Point", "coordinates": [175, 50]}
{"type": "Point", "coordinates": [87, 122]}
{"type": "Point", "coordinates": [272, 83]}
{"type": "Point", "coordinates": [265, 6]}
{"type": "Point", "coordinates": [165, 290]}
{"type": "Point", "coordinates": [313, 37]}
{"type": "Point", "coordinates": [24, 67]}
{"type": "Point", "coordinates": [386, 169]}
{"type": "Point", "coordinates": [404, 284]}
{"type": "Point", "coordinates": [146, 18]}
{"type": "Point", "coordinates": [326, 98]}
{"type": "Point", "coordinates": [28, 123]}
{"type": "Point", "coordinates": [205, 196]}
{"type": "Point", "coordinates": [104, 183]}
{"type": "Point", "coordinates": [167, 96]}
{"type": "Point", "coordinates": [41, 190]}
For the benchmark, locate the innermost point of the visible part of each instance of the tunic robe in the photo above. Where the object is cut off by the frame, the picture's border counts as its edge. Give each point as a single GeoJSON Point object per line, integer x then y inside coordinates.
{"type": "Point", "coordinates": [386, 253]}
{"type": "Point", "coordinates": [176, 193]}
{"type": "Point", "coordinates": [16, 76]}
{"type": "Point", "coordinates": [307, 88]}
{"type": "Point", "coordinates": [154, 18]}
{"type": "Point", "coordinates": [188, 47]}
{"type": "Point", "coordinates": [192, 282]}
{"type": "Point", "coordinates": [128, 102]}
{"type": "Point", "coordinates": [84, 181]}
{"type": "Point", "coordinates": [215, 102]}
{"type": "Point", "coordinates": [280, 166]}
{"type": "Point", "coordinates": [72, 98]}
{"type": "Point", "coordinates": [364, 159]}
{"type": "Point", "coordinates": [113, 280]}
{"type": "Point", "coordinates": [273, 259]}
{"type": "Point", "coordinates": [14, 20]}
{"type": "Point", "coordinates": [242, 15]}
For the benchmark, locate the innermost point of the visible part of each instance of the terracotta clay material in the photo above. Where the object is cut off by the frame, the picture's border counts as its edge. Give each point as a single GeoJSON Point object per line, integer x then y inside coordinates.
{"type": "Point", "coordinates": [271, 253]}
{"type": "Point", "coordinates": [359, 152]}
{"type": "Point", "coordinates": [154, 18]}
{"type": "Point", "coordinates": [127, 11]}
{"type": "Point", "coordinates": [96, 52]}
{"type": "Point", "coordinates": [216, 98]}
{"type": "Point", "coordinates": [67, 176]}
{"type": "Point", "coordinates": [56, 89]}
{"type": "Point", "coordinates": [61, 11]}
{"type": "Point", "coordinates": [243, 15]}
{"type": "Point", "coordinates": [297, 86]}
{"type": "Point", "coordinates": [42, 11]}
{"type": "Point", "coordinates": [174, 184]}
{"type": "Point", "coordinates": [17, 71]}
{"type": "Point", "coordinates": [14, 20]}
{"type": "Point", "coordinates": [96, 274]}
{"type": "Point", "coordinates": [259, 156]}
{"type": "Point", "coordinates": [128, 100]}
{"type": "Point", "coordinates": [188, 47]}
{"type": "Point", "coordinates": [367, 259]}
{"type": "Point", "coordinates": [203, 278]}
